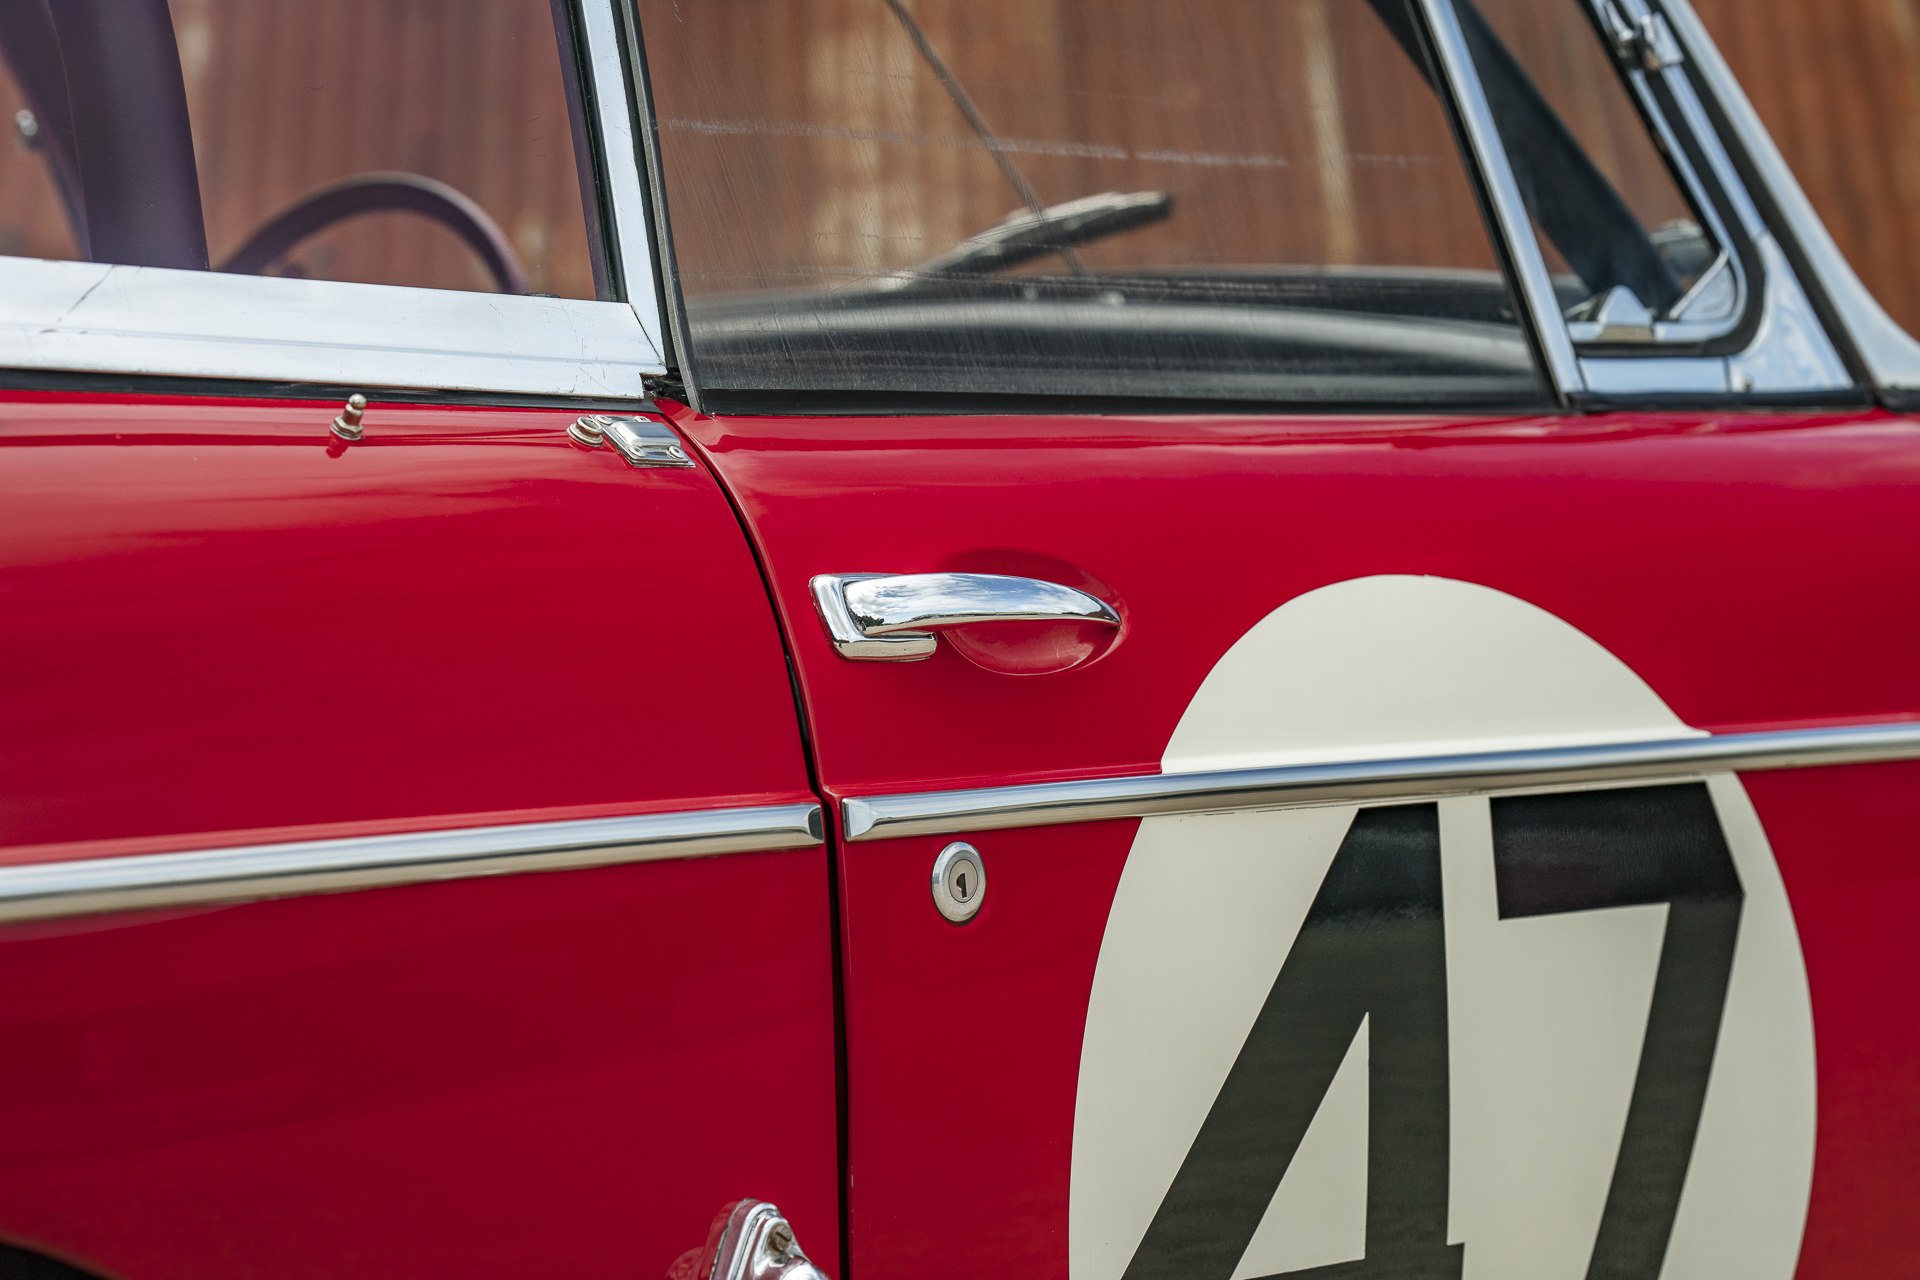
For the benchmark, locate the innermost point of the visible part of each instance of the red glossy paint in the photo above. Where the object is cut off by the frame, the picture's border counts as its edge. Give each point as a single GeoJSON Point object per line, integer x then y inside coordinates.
{"type": "Point", "coordinates": [1744, 564]}
{"type": "Point", "coordinates": [963, 1045]}
{"type": "Point", "coordinates": [1846, 840]}
{"type": "Point", "coordinates": [542, 1075]}
{"type": "Point", "coordinates": [1750, 567]}
{"type": "Point", "coordinates": [208, 622]}
{"type": "Point", "coordinates": [218, 625]}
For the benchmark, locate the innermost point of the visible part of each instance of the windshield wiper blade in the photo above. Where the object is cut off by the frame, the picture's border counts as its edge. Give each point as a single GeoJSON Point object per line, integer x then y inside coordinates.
{"type": "Point", "coordinates": [1024, 235]}
{"type": "Point", "coordinates": [978, 123]}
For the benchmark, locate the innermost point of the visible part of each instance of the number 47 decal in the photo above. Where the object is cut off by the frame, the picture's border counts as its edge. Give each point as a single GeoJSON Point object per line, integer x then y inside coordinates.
{"type": "Point", "coordinates": [1374, 947]}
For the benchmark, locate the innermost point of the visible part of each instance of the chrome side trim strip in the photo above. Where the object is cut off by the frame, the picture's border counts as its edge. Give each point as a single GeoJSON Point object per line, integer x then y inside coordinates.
{"type": "Point", "coordinates": [90, 885]}
{"type": "Point", "coordinates": [1290, 786]}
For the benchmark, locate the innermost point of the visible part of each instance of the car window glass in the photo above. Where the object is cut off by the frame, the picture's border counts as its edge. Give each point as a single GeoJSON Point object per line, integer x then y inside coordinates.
{"type": "Point", "coordinates": [1214, 200]}
{"type": "Point", "coordinates": [409, 142]}
{"type": "Point", "coordinates": [1606, 204]}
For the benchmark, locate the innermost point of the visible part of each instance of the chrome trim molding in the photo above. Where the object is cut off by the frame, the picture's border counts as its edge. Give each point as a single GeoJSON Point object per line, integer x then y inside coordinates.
{"type": "Point", "coordinates": [1790, 350]}
{"type": "Point", "coordinates": [91, 885]}
{"type": "Point", "coordinates": [91, 317]}
{"type": "Point", "coordinates": [1892, 356]}
{"type": "Point", "coordinates": [613, 100]}
{"type": "Point", "coordinates": [1516, 227]}
{"type": "Point", "coordinates": [1344, 782]}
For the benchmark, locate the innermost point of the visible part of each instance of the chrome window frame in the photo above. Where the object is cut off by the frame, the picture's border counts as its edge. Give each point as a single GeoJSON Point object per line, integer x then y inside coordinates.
{"type": "Point", "coordinates": [87, 317]}
{"type": "Point", "coordinates": [1486, 155]}
{"type": "Point", "coordinates": [1889, 354]}
{"type": "Point", "coordinates": [1673, 78]}
{"type": "Point", "coordinates": [1790, 353]}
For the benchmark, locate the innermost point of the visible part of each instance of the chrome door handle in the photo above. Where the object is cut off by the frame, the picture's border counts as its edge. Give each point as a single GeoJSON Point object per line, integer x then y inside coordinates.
{"type": "Point", "coordinates": [879, 617]}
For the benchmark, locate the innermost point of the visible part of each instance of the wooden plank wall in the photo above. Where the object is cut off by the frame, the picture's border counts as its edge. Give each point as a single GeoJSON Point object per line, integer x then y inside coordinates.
{"type": "Point", "coordinates": [1838, 84]}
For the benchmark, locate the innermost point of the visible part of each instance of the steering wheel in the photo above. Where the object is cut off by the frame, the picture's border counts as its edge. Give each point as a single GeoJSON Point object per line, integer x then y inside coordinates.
{"type": "Point", "coordinates": [382, 192]}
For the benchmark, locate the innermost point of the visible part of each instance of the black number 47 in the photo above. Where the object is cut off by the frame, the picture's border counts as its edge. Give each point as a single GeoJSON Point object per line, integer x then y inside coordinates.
{"type": "Point", "coordinates": [1374, 946]}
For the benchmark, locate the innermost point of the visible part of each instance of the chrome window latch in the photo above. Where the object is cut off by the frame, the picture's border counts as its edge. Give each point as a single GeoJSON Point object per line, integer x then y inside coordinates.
{"type": "Point", "coordinates": [879, 617]}
{"type": "Point", "coordinates": [641, 441]}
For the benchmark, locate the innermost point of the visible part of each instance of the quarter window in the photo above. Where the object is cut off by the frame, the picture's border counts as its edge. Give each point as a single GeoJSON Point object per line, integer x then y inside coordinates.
{"type": "Point", "coordinates": [1638, 253]}
{"type": "Point", "coordinates": [1212, 201]}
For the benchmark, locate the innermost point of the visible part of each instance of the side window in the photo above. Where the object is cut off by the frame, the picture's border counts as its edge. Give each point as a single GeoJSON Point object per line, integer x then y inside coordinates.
{"type": "Point", "coordinates": [1638, 251]}
{"type": "Point", "coordinates": [1215, 201]}
{"type": "Point", "coordinates": [409, 142]}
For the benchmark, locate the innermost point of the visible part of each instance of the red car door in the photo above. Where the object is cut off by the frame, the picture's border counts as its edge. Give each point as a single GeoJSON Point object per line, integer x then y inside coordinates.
{"type": "Point", "coordinates": [1313, 628]}
{"type": "Point", "coordinates": [335, 609]}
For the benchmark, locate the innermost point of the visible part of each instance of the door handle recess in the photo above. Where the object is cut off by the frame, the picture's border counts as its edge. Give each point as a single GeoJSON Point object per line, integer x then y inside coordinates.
{"type": "Point", "coordinates": [880, 617]}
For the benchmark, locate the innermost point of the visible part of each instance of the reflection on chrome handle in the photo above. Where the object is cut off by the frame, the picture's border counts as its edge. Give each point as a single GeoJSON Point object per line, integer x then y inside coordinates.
{"type": "Point", "coordinates": [877, 617]}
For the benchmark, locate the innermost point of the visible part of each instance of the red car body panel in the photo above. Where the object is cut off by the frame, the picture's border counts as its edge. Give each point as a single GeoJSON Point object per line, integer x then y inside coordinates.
{"type": "Point", "coordinates": [509, 1076]}
{"type": "Point", "coordinates": [1746, 565]}
{"type": "Point", "coordinates": [462, 618]}
{"type": "Point", "coordinates": [1845, 839]}
{"type": "Point", "coordinates": [223, 627]}
{"type": "Point", "coordinates": [1750, 567]}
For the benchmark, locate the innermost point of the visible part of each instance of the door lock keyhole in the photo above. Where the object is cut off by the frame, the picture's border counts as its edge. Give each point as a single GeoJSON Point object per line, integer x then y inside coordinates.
{"type": "Point", "coordinates": [959, 881]}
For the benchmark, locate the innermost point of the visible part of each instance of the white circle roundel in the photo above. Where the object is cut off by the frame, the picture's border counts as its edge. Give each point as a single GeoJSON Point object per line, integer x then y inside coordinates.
{"type": "Point", "coordinates": [1537, 1036]}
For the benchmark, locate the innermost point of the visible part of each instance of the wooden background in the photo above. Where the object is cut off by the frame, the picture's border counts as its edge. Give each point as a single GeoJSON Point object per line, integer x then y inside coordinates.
{"type": "Point", "coordinates": [1838, 84]}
